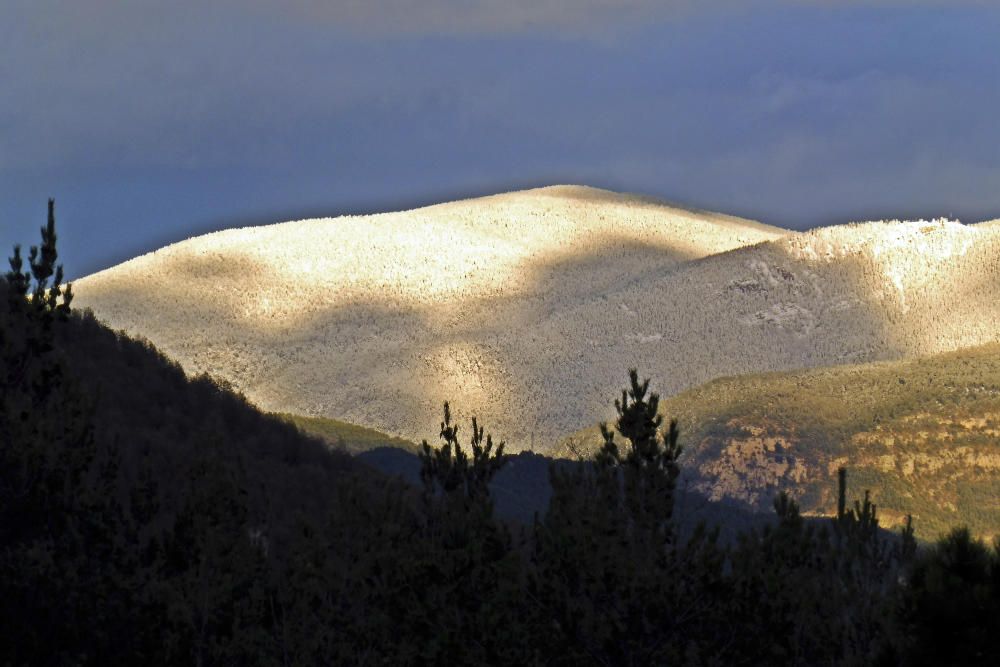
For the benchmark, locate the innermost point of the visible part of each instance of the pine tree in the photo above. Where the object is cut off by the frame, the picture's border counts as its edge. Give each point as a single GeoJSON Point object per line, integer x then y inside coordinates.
{"type": "Point", "coordinates": [448, 468]}
{"type": "Point", "coordinates": [950, 611]}
{"type": "Point", "coordinates": [611, 575]}
{"type": "Point", "coordinates": [649, 467]}
{"type": "Point", "coordinates": [211, 579]}
{"type": "Point", "coordinates": [472, 572]}
{"type": "Point", "coordinates": [58, 507]}
{"type": "Point", "coordinates": [812, 591]}
{"type": "Point", "coordinates": [53, 299]}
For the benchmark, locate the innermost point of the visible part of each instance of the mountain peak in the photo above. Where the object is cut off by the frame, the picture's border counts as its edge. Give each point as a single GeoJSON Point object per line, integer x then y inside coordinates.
{"type": "Point", "coordinates": [492, 302]}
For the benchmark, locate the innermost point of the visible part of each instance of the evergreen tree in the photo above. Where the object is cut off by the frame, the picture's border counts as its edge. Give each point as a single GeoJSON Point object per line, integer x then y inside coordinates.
{"type": "Point", "coordinates": [59, 512]}
{"type": "Point", "coordinates": [211, 583]}
{"type": "Point", "coordinates": [950, 605]}
{"type": "Point", "coordinates": [649, 468]}
{"type": "Point", "coordinates": [611, 577]}
{"type": "Point", "coordinates": [470, 572]}
{"type": "Point", "coordinates": [448, 469]}
{"type": "Point", "coordinates": [811, 591]}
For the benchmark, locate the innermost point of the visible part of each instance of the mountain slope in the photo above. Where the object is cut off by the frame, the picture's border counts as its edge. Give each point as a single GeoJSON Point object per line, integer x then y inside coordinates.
{"type": "Point", "coordinates": [426, 303]}
{"type": "Point", "coordinates": [923, 434]}
{"type": "Point", "coordinates": [526, 308]}
{"type": "Point", "coordinates": [350, 438]}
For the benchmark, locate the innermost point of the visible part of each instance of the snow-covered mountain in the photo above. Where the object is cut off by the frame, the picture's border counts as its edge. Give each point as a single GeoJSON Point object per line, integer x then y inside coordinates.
{"type": "Point", "coordinates": [527, 308]}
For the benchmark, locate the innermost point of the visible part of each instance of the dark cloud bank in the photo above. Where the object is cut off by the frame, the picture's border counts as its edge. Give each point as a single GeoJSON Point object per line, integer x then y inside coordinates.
{"type": "Point", "coordinates": [150, 122]}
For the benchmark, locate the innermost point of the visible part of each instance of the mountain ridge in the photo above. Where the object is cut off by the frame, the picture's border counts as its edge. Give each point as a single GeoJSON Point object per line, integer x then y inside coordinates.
{"type": "Point", "coordinates": [493, 302]}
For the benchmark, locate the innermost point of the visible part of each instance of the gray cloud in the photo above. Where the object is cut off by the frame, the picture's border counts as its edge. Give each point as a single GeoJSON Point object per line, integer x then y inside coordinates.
{"type": "Point", "coordinates": [250, 109]}
{"type": "Point", "coordinates": [479, 17]}
{"type": "Point", "coordinates": [366, 17]}
{"type": "Point", "coordinates": [595, 18]}
{"type": "Point", "coordinates": [111, 19]}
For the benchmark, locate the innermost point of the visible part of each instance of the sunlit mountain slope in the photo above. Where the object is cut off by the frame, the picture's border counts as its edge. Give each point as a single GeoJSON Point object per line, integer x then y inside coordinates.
{"type": "Point", "coordinates": [526, 308]}
{"type": "Point", "coordinates": [923, 434]}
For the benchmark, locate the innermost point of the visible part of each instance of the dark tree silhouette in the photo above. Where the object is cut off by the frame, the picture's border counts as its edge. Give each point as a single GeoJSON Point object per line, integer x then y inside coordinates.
{"type": "Point", "coordinates": [610, 574]}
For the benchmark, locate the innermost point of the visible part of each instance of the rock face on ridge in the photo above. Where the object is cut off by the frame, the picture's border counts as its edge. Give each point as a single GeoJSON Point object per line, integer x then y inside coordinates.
{"type": "Point", "coordinates": [527, 308]}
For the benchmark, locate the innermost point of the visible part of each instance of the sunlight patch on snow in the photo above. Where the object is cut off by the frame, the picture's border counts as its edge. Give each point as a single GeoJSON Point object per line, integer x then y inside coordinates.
{"type": "Point", "coordinates": [494, 302]}
{"type": "Point", "coordinates": [468, 250]}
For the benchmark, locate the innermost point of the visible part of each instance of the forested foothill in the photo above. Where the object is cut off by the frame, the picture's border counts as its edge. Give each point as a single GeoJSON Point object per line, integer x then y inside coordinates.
{"type": "Point", "coordinates": [151, 518]}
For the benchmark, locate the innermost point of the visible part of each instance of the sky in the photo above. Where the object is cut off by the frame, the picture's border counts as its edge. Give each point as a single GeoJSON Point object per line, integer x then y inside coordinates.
{"type": "Point", "coordinates": [150, 122]}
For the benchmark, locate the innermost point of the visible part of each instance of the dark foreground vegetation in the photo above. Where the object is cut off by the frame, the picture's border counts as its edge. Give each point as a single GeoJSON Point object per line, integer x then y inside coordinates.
{"type": "Point", "coordinates": [146, 518]}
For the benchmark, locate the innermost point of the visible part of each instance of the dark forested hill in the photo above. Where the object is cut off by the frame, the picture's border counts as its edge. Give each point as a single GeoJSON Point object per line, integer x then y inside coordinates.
{"type": "Point", "coordinates": [160, 419]}
{"type": "Point", "coordinates": [143, 511]}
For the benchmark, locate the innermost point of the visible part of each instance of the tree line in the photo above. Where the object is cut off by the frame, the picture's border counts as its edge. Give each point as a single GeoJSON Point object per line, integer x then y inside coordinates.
{"type": "Point", "coordinates": [150, 517]}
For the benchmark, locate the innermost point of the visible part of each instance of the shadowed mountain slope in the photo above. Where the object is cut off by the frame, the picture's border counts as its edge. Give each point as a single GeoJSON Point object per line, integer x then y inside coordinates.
{"type": "Point", "coordinates": [491, 303]}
